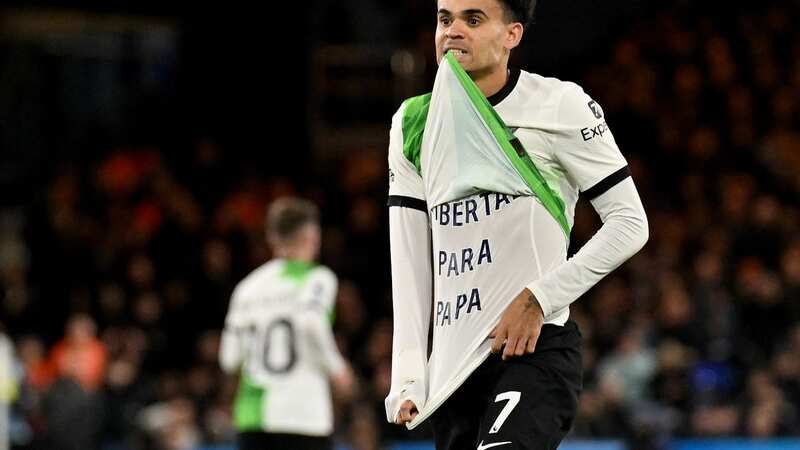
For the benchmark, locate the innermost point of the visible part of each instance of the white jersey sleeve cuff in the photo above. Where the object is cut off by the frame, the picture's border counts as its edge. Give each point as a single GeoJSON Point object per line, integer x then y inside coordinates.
{"type": "Point", "coordinates": [411, 390]}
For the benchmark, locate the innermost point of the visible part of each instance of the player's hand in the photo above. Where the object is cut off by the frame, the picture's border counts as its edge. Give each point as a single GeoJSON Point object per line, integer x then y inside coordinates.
{"type": "Point", "coordinates": [408, 410]}
{"type": "Point", "coordinates": [519, 326]}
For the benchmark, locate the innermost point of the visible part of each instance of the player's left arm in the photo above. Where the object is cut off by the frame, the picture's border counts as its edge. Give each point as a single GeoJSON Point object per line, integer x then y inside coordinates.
{"type": "Point", "coordinates": [592, 160]}
{"type": "Point", "coordinates": [319, 296]}
{"type": "Point", "coordinates": [587, 151]}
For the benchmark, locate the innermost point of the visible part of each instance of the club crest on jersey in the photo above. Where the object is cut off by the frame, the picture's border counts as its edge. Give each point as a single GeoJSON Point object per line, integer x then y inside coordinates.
{"type": "Point", "coordinates": [596, 110]}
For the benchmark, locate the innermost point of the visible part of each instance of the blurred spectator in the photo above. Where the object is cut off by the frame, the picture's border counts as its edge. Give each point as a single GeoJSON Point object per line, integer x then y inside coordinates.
{"type": "Point", "coordinates": [626, 373]}
{"type": "Point", "coordinates": [72, 414]}
{"type": "Point", "coordinates": [80, 355]}
{"type": "Point", "coordinates": [173, 424]}
{"type": "Point", "coordinates": [38, 370]}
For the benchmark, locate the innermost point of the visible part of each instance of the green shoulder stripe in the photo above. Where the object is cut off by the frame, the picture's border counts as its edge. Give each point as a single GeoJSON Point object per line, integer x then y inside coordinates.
{"type": "Point", "coordinates": [414, 117]}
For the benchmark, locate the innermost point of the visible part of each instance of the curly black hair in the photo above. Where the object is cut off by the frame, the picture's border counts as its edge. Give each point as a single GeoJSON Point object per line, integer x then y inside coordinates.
{"type": "Point", "coordinates": [519, 11]}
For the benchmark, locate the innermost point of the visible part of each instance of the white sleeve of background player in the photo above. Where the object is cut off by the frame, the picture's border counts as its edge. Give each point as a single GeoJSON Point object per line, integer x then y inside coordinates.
{"type": "Point", "coordinates": [591, 158]}
{"type": "Point", "coordinates": [231, 349]}
{"type": "Point", "coordinates": [319, 294]}
{"type": "Point", "coordinates": [319, 290]}
{"type": "Point", "coordinates": [319, 328]}
{"type": "Point", "coordinates": [410, 245]}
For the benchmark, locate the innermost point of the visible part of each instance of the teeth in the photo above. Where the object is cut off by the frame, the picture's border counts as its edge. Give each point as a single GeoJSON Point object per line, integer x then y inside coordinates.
{"type": "Point", "coordinates": [459, 52]}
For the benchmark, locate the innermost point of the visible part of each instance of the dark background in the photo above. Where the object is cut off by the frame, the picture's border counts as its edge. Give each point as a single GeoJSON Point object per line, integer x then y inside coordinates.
{"type": "Point", "coordinates": [141, 142]}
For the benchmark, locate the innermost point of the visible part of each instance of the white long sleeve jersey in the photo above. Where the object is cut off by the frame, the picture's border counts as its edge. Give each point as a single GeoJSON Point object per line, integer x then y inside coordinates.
{"type": "Point", "coordinates": [278, 336]}
{"type": "Point", "coordinates": [462, 261]}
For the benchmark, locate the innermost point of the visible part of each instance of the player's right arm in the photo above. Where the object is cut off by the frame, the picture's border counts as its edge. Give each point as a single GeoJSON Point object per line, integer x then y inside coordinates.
{"type": "Point", "coordinates": [410, 245]}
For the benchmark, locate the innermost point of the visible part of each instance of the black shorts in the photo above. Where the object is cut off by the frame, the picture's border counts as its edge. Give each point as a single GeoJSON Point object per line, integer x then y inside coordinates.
{"type": "Point", "coordinates": [257, 440]}
{"type": "Point", "coordinates": [527, 402]}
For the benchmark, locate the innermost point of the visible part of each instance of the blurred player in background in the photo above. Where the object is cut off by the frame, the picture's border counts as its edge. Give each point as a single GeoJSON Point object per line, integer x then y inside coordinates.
{"type": "Point", "coordinates": [278, 337]}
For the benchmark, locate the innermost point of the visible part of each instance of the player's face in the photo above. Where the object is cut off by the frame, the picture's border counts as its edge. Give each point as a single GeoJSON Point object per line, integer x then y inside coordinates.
{"type": "Point", "coordinates": [310, 236]}
{"type": "Point", "coordinates": [477, 33]}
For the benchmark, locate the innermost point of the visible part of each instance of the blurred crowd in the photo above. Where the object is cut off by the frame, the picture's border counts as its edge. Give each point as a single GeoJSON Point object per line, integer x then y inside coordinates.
{"type": "Point", "coordinates": [115, 282]}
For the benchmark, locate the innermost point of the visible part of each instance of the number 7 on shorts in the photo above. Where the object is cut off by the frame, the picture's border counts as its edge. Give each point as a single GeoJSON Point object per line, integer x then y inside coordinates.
{"type": "Point", "coordinates": [512, 399]}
